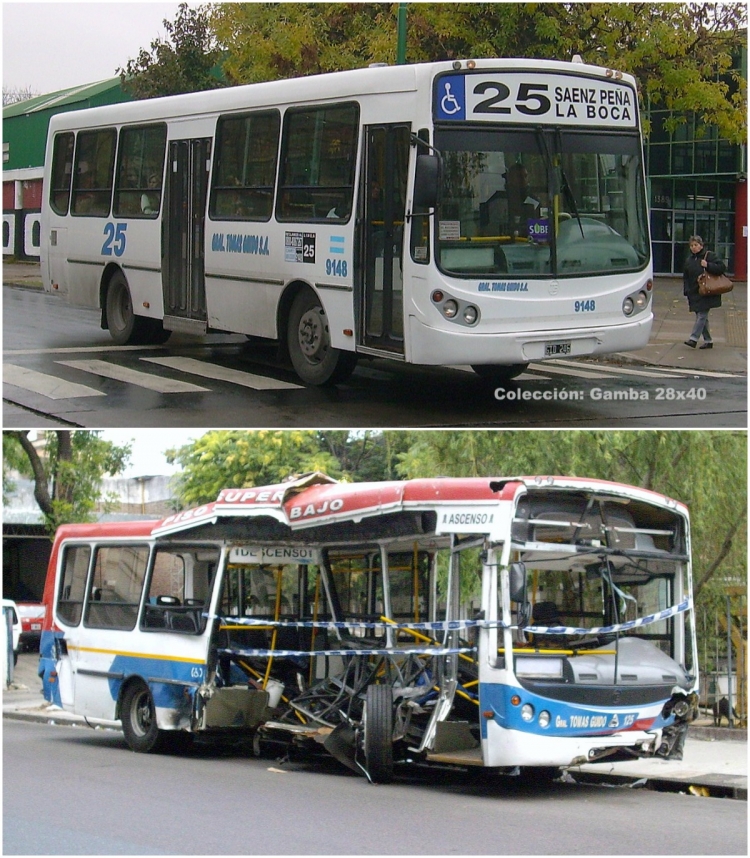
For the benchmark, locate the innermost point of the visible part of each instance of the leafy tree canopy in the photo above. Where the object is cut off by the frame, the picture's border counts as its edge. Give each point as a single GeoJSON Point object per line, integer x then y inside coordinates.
{"type": "Point", "coordinates": [67, 471]}
{"type": "Point", "coordinates": [235, 459]}
{"type": "Point", "coordinates": [708, 472]}
{"type": "Point", "coordinates": [185, 62]}
{"type": "Point", "coordinates": [681, 53]}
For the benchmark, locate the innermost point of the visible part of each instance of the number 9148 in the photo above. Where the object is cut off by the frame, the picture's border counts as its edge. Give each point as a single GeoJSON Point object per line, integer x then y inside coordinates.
{"type": "Point", "coordinates": [585, 306]}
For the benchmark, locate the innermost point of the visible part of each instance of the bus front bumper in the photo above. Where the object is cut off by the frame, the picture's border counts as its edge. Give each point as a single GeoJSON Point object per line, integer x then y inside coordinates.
{"type": "Point", "coordinates": [507, 747]}
{"type": "Point", "coordinates": [435, 346]}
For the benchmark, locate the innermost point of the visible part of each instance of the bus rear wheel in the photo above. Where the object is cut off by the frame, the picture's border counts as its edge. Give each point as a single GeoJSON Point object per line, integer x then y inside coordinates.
{"type": "Point", "coordinates": [124, 326]}
{"type": "Point", "coordinates": [378, 733]}
{"type": "Point", "coordinates": [138, 716]}
{"type": "Point", "coordinates": [308, 337]}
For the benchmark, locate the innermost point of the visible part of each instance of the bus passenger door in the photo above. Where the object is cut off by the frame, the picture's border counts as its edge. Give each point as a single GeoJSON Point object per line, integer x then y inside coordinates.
{"type": "Point", "coordinates": [381, 288]}
{"type": "Point", "coordinates": [183, 233]}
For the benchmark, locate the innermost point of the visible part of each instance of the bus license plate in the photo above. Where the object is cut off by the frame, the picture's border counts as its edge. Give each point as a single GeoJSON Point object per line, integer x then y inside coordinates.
{"type": "Point", "coordinates": [562, 348]}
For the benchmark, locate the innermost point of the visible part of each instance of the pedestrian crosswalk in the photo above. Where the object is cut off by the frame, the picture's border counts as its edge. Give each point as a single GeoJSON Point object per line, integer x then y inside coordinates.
{"type": "Point", "coordinates": [178, 374]}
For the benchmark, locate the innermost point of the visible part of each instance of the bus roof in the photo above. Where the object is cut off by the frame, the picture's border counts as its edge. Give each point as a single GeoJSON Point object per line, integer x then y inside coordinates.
{"type": "Point", "coordinates": [316, 499]}
{"type": "Point", "coordinates": [311, 88]}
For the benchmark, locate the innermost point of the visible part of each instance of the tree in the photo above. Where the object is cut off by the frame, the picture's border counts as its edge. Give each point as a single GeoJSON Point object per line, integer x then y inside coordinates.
{"type": "Point", "coordinates": [16, 94]}
{"type": "Point", "coordinates": [237, 458]}
{"type": "Point", "coordinates": [186, 62]}
{"type": "Point", "coordinates": [67, 473]}
{"type": "Point", "coordinates": [365, 455]}
{"type": "Point", "coordinates": [681, 53]}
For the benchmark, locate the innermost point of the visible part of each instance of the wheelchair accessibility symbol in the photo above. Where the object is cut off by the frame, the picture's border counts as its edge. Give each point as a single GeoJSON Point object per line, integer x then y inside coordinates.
{"type": "Point", "coordinates": [451, 98]}
{"type": "Point", "coordinates": [449, 102]}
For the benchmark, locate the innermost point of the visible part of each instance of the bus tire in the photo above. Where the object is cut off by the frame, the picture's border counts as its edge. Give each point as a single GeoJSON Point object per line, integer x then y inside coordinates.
{"type": "Point", "coordinates": [124, 326]}
{"type": "Point", "coordinates": [138, 717]}
{"type": "Point", "coordinates": [499, 374]}
{"type": "Point", "coordinates": [121, 320]}
{"type": "Point", "coordinates": [378, 733]}
{"type": "Point", "coordinates": [314, 359]}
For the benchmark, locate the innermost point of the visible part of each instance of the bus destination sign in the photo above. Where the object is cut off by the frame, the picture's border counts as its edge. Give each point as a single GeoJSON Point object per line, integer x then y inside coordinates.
{"type": "Point", "coordinates": [556, 99]}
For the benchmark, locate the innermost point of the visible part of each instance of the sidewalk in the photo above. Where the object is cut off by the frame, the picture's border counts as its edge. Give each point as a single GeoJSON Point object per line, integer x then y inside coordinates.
{"type": "Point", "coordinates": [715, 758]}
{"type": "Point", "coordinates": [672, 325]}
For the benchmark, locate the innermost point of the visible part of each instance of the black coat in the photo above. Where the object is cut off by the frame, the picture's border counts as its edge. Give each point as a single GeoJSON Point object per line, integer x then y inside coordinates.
{"type": "Point", "coordinates": [701, 303]}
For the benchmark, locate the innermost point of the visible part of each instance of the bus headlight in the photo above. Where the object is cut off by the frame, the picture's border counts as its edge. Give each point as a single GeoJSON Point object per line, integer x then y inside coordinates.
{"type": "Point", "coordinates": [544, 718]}
{"type": "Point", "coordinates": [527, 712]}
{"type": "Point", "coordinates": [637, 302]}
{"type": "Point", "coordinates": [450, 308]}
{"type": "Point", "coordinates": [471, 314]}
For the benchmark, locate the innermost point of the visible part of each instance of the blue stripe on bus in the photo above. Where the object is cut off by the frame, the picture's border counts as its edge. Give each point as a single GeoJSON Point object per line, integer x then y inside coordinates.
{"type": "Point", "coordinates": [566, 719]}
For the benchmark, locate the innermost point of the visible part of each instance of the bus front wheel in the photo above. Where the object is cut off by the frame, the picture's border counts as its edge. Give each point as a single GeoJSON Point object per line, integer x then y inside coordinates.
{"type": "Point", "coordinates": [314, 359]}
{"type": "Point", "coordinates": [378, 733]}
{"type": "Point", "coordinates": [138, 716]}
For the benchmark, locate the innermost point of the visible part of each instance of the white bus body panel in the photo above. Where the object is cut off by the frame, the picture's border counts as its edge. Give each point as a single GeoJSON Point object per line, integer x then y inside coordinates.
{"type": "Point", "coordinates": [504, 747]}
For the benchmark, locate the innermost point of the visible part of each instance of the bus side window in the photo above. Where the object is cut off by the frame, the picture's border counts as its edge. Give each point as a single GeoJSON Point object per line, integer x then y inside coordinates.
{"type": "Point", "coordinates": [75, 567]}
{"type": "Point", "coordinates": [179, 589]}
{"type": "Point", "coordinates": [245, 166]}
{"type": "Point", "coordinates": [140, 170]}
{"type": "Point", "coordinates": [319, 150]}
{"type": "Point", "coordinates": [116, 587]}
{"type": "Point", "coordinates": [62, 172]}
{"type": "Point", "coordinates": [94, 168]}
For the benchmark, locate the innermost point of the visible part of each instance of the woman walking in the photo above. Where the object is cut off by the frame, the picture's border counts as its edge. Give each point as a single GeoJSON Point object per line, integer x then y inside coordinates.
{"type": "Point", "coordinates": [698, 261]}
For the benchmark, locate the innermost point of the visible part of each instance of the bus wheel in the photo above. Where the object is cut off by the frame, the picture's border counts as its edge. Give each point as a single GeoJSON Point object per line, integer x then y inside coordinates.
{"type": "Point", "coordinates": [121, 320]}
{"type": "Point", "coordinates": [377, 721]}
{"type": "Point", "coordinates": [138, 716]}
{"type": "Point", "coordinates": [499, 374]}
{"type": "Point", "coordinates": [124, 326]}
{"type": "Point", "coordinates": [309, 341]}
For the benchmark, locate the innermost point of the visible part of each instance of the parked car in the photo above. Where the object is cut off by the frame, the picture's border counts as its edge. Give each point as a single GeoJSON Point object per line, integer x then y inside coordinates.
{"type": "Point", "coordinates": [32, 618]}
{"type": "Point", "coordinates": [10, 606]}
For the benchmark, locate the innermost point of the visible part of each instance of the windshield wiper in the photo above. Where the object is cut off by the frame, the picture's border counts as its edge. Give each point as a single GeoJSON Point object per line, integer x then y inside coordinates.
{"type": "Point", "coordinates": [566, 184]}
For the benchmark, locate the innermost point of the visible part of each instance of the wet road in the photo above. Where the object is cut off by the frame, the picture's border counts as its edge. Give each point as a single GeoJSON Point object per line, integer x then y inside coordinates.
{"type": "Point", "coordinates": [60, 365]}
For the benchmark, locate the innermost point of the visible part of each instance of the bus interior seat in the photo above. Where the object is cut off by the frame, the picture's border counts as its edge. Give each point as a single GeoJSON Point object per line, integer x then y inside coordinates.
{"type": "Point", "coordinates": [182, 622]}
{"type": "Point", "coordinates": [171, 601]}
{"type": "Point", "coordinates": [546, 614]}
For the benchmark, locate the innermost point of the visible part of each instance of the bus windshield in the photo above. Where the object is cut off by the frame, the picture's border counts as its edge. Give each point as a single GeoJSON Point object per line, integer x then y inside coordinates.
{"type": "Point", "coordinates": [539, 202]}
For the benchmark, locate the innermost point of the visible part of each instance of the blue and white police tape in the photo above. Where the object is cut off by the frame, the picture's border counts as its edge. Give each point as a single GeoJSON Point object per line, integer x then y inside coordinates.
{"type": "Point", "coordinates": [457, 625]}
{"type": "Point", "coordinates": [620, 627]}
{"type": "Point", "coordinates": [296, 653]}
{"type": "Point", "coordinates": [444, 625]}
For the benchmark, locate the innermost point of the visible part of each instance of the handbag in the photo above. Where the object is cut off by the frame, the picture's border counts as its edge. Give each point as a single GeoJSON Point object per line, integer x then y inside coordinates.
{"type": "Point", "coordinates": [714, 284]}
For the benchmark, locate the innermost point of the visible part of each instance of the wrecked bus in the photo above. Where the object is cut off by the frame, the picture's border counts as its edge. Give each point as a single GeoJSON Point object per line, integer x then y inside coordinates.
{"type": "Point", "coordinates": [523, 624]}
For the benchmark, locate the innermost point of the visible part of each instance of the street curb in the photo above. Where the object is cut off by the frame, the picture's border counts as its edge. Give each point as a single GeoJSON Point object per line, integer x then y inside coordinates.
{"type": "Point", "coordinates": [718, 785]}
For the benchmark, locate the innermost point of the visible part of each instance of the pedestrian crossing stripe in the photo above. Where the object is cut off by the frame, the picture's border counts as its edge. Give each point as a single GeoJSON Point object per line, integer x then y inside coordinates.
{"type": "Point", "coordinates": [222, 373]}
{"type": "Point", "coordinates": [45, 385]}
{"type": "Point", "coordinates": [133, 376]}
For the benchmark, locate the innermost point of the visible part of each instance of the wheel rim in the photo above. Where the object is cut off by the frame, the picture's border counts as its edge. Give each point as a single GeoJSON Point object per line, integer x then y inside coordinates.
{"type": "Point", "coordinates": [122, 307]}
{"type": "Point", "coordinates": [312, 335]}
{"type": "Point", "coordinates": [141, 713]}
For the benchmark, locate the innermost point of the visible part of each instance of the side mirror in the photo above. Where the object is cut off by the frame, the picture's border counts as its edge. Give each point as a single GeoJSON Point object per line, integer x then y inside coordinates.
{"type": "Point", "coordinates": [426, 181]}
{"type": "Point", "coordinates": [517, 579]}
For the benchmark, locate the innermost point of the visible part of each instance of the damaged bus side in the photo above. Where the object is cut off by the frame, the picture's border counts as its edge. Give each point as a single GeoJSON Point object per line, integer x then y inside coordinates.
{"type": "Point", "coordinates": [522, 624]}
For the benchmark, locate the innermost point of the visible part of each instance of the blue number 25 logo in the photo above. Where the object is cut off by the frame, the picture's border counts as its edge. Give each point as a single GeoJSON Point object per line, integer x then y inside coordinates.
{"type": "Point", "coordinates": [114, 239]}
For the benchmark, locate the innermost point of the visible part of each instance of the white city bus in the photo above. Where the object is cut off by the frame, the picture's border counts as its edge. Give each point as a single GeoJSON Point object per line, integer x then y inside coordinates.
{"type": "Point", "coordinates": [482, 212]}
{"type": "Point", "coordinates": [531, 622]}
